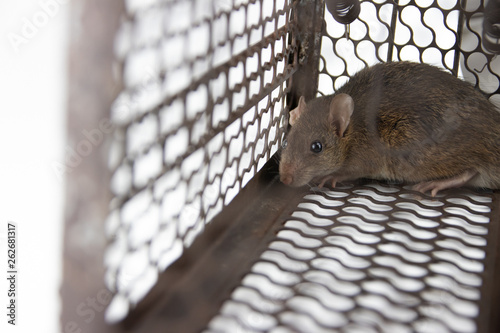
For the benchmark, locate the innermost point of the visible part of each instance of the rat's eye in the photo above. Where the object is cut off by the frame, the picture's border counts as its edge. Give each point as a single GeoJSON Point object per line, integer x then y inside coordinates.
{"type": "Point", "coordinates": [316, 147]}
{"type": "Point", "coordinates": [284, 144]}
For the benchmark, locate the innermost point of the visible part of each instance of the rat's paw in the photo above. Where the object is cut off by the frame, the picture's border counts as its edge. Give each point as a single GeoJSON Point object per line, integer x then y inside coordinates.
{"type": "Point", "coordinates": [437, 185]}
{"type": "Point", "coordinates": [433, 186]}
{"type": "Point", "coordinates": [332, 179]}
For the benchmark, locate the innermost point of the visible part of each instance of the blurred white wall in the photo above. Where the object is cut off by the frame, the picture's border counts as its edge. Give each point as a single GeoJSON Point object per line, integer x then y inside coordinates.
{"type": "Point", "coordinates": [33, 42]}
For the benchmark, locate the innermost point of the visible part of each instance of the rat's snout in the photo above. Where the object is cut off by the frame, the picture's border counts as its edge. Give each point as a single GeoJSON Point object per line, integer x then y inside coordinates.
{"type": "Point", "coordinates": [286, 179]}
{"type": "Point", "coordinates": [286, 173]}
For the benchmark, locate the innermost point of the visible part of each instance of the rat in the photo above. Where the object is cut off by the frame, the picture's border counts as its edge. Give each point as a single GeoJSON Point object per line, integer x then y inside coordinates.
{"type": "Point", "coordinates": [398, 121]}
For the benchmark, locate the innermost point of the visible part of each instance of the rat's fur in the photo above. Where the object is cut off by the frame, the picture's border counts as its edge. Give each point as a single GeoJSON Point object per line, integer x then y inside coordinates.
{"type": "Point", "coordinates": [411, 122]}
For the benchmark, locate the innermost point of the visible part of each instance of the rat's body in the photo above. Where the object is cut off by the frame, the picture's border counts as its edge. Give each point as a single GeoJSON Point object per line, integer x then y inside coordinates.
{"type": "Point", "coordinates": [397, 121]}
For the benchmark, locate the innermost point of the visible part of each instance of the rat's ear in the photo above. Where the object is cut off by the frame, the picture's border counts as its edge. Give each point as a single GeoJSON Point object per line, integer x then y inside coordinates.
{"type": "Point", "coordinates": [297, 112]}
{"type": "Point", "coordinates": [341, 108]}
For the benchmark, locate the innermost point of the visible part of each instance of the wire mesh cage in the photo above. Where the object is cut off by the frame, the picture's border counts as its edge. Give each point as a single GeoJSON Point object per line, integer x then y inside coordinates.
{"type": "Point", "coordinates": [447, 34]}
{"type": "Point", "coordinates": [207, 90]}
{"type": "Point", "coordinates": [201, 112]}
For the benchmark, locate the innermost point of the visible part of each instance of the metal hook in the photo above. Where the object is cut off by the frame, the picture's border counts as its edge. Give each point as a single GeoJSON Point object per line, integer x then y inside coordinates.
{"type": "Point", "coordinates": [347, 31]}
{"type": "Point", "coordinates": [486, 64]}
{"type": "Point", "coordinates": [482, 69]}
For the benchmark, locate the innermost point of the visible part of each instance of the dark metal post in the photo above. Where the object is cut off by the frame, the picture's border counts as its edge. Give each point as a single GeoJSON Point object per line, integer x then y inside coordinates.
{"type": "Point", "coordinates": [309, 15]}
{"type": "Point", "coordinates": [91, 92]}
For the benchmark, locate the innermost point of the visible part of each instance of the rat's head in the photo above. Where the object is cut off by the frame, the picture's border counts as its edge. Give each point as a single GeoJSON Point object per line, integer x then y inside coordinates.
{"type": "Point", "coordinates": [314, 147]}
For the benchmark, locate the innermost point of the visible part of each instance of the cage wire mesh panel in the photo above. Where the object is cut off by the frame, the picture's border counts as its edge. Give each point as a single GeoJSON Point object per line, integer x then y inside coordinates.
{"type": "Point", "coordinates": [201, 112]}
{"type": "Point", "coordinates": [372, 258]}
{"type": "Point", "coordinates": [444, 33]}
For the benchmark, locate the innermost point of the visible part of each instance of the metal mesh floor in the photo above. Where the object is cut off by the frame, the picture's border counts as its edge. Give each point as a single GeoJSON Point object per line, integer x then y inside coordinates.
{"type": "Point", "coordinates": [371, 258]}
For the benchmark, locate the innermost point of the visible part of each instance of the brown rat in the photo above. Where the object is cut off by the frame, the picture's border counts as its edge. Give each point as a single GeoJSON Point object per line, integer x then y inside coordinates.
{"type": "Point", "coordinates": [398, 121]}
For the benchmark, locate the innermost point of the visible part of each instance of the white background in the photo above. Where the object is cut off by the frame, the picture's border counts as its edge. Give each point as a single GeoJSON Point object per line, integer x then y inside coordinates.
{"type": "Point", "coordinates": [32, 134]}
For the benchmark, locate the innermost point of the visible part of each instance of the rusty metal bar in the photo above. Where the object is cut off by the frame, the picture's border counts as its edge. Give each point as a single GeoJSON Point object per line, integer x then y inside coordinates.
{"type": "Point", "coordinates": [309, 14]}
{"type": "Point", "coordinates": [92, 89]}
{"type": "Point", "coordinates": [488, 320]}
